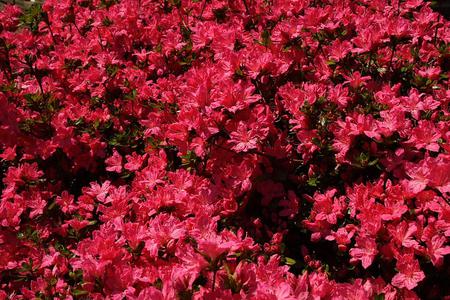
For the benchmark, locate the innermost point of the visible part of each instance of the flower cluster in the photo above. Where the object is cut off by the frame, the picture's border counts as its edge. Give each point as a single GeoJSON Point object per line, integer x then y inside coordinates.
{"type": "Point", "coordinates": [226, 149]}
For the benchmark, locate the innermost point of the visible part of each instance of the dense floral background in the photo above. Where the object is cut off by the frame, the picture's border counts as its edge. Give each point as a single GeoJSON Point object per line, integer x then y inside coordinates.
{"type": "Point", "coordinates": [212, 149]}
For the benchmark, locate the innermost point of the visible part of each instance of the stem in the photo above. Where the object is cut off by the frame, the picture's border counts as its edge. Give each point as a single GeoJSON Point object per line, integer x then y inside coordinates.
{"type": "Point", "coordinates": [214, 279]}
{"type": "Point", "coordinates": [370, 60]}
{"type": "Point", "coordinates": [246, 7]}
{"type": "Point", "coordinates": [47, 22]}
{"type": "Point", "coordinates": [7, 59]}
{"type": "Point", "coordinates": [392, 55]}
{"type": "Point", "coordinates": [100, 39]}
{"type": "Point", "coordinates": [436, 30]}
{"type": "Point", "coordinates": [78, 29]}
{"type": "Point", "coordinates": [203, 9]}
{"type": "Point", "coordinates": [51, 32]}
{"type": "Point", "coordinates": [38, 79]}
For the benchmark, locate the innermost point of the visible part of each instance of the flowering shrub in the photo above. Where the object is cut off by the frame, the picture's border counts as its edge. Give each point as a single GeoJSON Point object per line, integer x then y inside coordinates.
{"type": "Point", "coordinates": [244, 149]}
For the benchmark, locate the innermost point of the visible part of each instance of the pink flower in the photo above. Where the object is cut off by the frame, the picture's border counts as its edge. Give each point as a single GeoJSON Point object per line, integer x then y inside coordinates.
{"type": "Point", "coordinates": [78, 224]}
{"type": "Point", "coordinates": [425, 136]}
{"type": "Point", "coordinates": [151, 293]}
{"type": "Point", "coordinates": [340, 49]}
{"type": "Point", "coordinates": [419, 174]}
{"type": "Point", "coordinates": [9, 153]}
{"type": "Point", "coordinates": [355, 80]}
{"type": "Point", "coordinates": [37, 203]}
{"type": "Point", "coordinates": [436, 249]}
{"type": "Point", "coordinates": [440, 175]}
{"type": "Point", "coordinates": [66, 202]}
{"type": "Point", "coordinates": [320, 119]}
{"type": "Point", "coordinates": [214, 246]}
{"type": "Point", "coordinates": [365, 250]}
{"type": "Point", "coordinates": [290, 205]}
{"type": "Point", "coordinates": [403, 234]}
{"type": "Point", "coordinates": [409, 274]}
{"type": "Point", "coordinates": [342, 236]}
{"type": "Point", "coordinates": [431, 73]}
{"type": "Point", "coordinates": [114, 162]}
{"type": "Point", "coordinates": [134, 161]}
{"type": "Point", "coordinates": [243, 139]}
{"type": "Point", "coordinates": [98, 191]}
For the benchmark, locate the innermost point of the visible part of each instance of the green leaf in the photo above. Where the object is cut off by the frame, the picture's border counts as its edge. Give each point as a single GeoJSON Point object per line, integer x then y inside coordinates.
{"type": "Point", "coordinates": [32, 17]}
{"type": "Point", "coordinates": [78, 292]}
{"type": "Point", "coordinates": [107, 22]}
{"type": "Point", "coordinates": [379, 297]}
{"type": "Point", "coordinates": [112, 69]}
{"type": "Point", "coordinates": [52, 205]}
{"type": "Point", "coordinates": [290, 261]}
{"type": "Point", "coordinates": [373, 162]}
{"type": "Point", "coordinates": [313, 181]}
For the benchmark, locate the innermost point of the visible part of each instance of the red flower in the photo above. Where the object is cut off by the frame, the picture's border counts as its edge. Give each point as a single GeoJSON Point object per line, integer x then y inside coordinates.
{"type": "Point", "coordinates": [436, 249]}
{"type": "Point", "coordinates": [9, 153]}
{"type": "Point", "coordinates": [134, 161]}
{"type": "Point", "coordinates": [186, 149]}
{"type": "Point", "coordinates": [365, 250]}
{"type": "Point", "coordinates": [243, 139]}
{"type": "Point", "coordinates": [425, 136]}
{"type": "Point", "coordinates": [409, 274]}
{"type": "Point", "coordinates": [403, 233]}
{"type": "Point", "coordinates": [114, 162]}
{"type": "Point", "coordinates": [65, 201]}
{"type": "Point", "coordinates": [355, 80]}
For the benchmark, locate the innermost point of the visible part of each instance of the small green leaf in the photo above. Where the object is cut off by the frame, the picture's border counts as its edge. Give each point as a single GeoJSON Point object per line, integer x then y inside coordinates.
{"type": "Point", "coordinates": [313, 181]}
{"type": "Point", "coordinates": [289, 261]}
{"type": "Point", "coordinates": [79, 292]}
{"type": "Point", "coordinates": [373, 162]}
{"type": "Point", "coordinates": [379, 297]}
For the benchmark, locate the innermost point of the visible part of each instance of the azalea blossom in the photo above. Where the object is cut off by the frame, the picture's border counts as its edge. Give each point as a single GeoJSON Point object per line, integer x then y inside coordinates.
{"type": "Point", "coordinates": [409, 273]}
{"type": "Point", "coordinates": [284, 149]}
